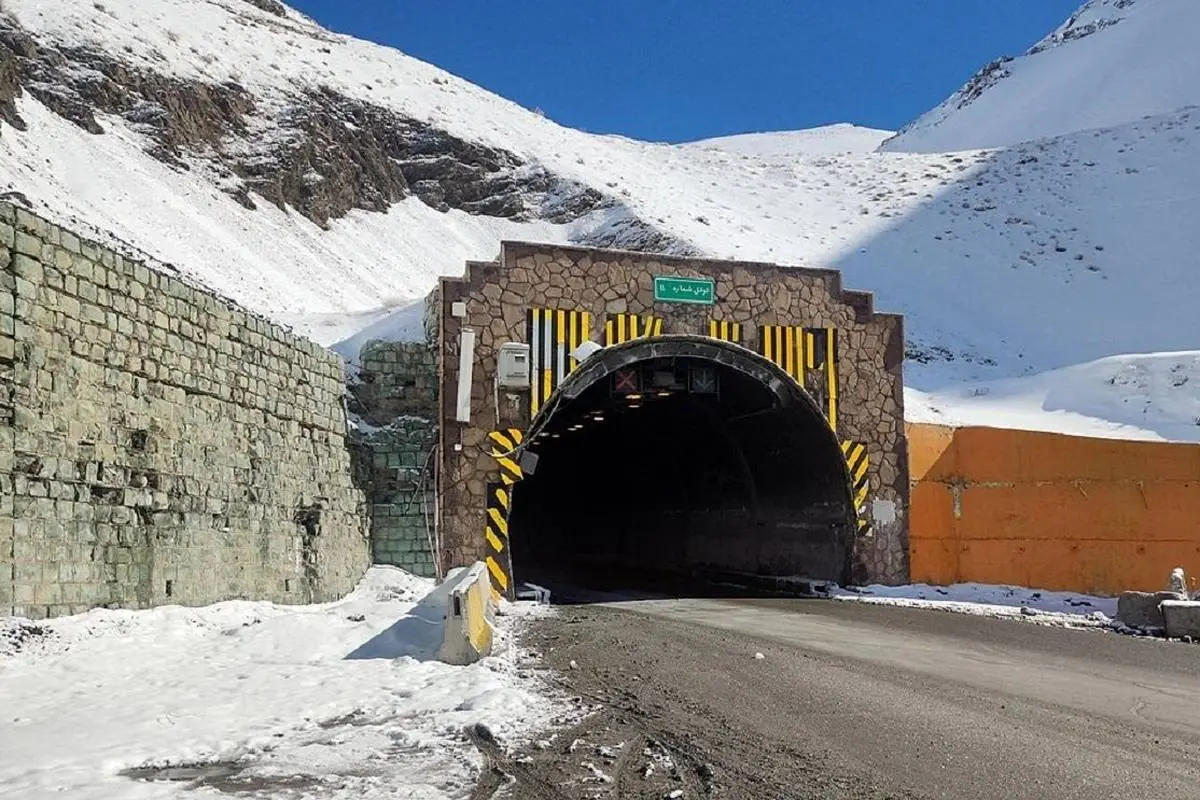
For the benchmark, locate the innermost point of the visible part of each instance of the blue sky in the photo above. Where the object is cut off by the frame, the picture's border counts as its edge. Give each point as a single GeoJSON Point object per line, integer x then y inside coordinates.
{"type": "Point", "coordinates": [677, 70]}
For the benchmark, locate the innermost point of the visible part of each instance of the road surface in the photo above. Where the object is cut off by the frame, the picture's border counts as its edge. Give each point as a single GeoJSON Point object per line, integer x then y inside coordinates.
{"type": "Point", "coordinates": [854, 701]}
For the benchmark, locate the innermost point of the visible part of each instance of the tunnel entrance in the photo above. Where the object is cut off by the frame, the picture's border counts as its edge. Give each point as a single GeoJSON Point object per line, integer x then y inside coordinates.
{"type": "Point", "coordinates": [681, 457]}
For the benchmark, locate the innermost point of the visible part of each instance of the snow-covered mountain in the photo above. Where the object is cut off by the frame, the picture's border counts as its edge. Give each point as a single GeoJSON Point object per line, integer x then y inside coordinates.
{"type": "Point", "coordinates": [326, 182]}
{"type": "Point", "coordinates": [1112, 62]}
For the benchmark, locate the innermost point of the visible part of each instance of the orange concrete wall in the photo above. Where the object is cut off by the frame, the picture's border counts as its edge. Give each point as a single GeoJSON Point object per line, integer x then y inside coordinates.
{"type": "Point", "coordinates": [1051, 511]}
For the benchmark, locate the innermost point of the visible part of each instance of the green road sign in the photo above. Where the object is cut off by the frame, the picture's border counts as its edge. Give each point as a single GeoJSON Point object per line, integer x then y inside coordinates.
{"type": "Point", "coordinates": [683, 290]}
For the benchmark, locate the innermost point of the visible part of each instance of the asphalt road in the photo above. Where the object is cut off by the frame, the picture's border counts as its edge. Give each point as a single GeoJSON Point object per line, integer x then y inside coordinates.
{"type": "Point", "coordinates": [856, 701]}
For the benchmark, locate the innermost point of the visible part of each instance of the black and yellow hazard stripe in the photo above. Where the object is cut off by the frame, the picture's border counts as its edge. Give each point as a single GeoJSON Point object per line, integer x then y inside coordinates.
{"type": "Point", "coordinates": [503, 443]}
{"type": "Point", "coordinates": [821, 352]}
{"type": "Point", "coordinates": [858, 463]}
{"type": "Point", "coordinates": [499, 556]}
{"type": "Point", "coordinates": [553, 334]}
{"type": "Point", "coordinates": [783, 345]}
{"type": "Point", "coordinates": [725, 330]}
{"type": "Point", "coordinates": [798, 351]}
{"type": "Point", "coordinates": [620, 328]}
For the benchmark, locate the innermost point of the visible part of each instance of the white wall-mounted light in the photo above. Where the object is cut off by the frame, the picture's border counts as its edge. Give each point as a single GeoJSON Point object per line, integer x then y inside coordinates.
{"type": "Point", "coordinates": [466, 370]}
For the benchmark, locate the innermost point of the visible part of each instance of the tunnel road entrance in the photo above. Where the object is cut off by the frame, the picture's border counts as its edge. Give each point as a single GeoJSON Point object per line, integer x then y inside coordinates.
{"type": "Point", "coordinates": [612, 415]}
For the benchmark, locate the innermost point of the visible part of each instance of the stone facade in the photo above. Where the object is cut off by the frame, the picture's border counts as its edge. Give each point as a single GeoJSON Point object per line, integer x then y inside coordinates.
{"type": "Point", "coordinates": [159, 444]}
{"type": "Point", "coordinates": [498, 294]}
{"type": "Point", "coordinates": [395, 395]}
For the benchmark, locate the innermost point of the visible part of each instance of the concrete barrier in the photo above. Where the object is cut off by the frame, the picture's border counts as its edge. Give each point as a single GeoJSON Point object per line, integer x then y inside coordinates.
{"type": "Point", "coordinates": [1181, 618]}
{"type": "Point", "coordinates": [1143, 609]}
{"type": "Point", "coordinates": [467, 633]}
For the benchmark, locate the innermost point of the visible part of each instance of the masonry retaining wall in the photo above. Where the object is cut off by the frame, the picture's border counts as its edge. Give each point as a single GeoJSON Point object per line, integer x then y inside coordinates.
{"type": "Point", "coordinates": [395, 397]}
{"type": "Point", "coordinates": [159, 444]}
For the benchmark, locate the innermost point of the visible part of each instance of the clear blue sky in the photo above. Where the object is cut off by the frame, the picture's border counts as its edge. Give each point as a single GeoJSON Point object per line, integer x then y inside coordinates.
{"type": "Point", "coordinates": [676, 70]}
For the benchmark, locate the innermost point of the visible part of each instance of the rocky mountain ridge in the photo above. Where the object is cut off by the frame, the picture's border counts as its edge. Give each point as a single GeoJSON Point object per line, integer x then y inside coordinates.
{"type": "Point", "coordinates": [317, 151]}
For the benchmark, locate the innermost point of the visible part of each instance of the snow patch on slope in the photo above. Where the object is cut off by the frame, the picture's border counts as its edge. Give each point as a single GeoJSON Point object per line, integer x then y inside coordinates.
{"type": "Point", "coordinates": [1153, 397]}
{"type": "Point", "coordinates": [826, 140]}
{"type": "Point", "coordinates": [1113, 62]}
{"type": "Point", "coordinates": [272, 261]}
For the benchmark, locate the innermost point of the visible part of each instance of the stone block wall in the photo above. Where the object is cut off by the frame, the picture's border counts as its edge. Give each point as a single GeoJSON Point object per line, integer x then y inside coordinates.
{"type": "Point", "coordinates": [402, 495]}
{"type": "Point", "coordinates": [396, 379]}
{"type": "Point", "coordinates": [395, 397]}
{"type": "Point", "coordinates": [159, 444]}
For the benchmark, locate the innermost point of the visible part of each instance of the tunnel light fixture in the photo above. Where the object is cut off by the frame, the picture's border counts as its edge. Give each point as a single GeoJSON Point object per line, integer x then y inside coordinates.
{"type": "Point", "coordinates": [633, 397]}
{"type": "Point", "coordinates": [664, 394]}
{"type": "Point", "coordinates": [598, 418]}
{"type": "Point", "coordinates": [635, 405]}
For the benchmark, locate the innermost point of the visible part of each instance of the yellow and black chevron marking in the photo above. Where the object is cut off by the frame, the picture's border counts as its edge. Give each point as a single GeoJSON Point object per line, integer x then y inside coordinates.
{"type": "Point", "coordinates": [503, 442]}
{"type": "Point", "coordinates": [725, 331]}
{"type": "Point", "coordinates": [784, 346]}
{"type": "Point", "coordinates": [799, 351]}
{"type": "Point", "coordinates": [620, 328]}
{"type": "Point", "coordinates": [821, 352]}
{"type": "Point", "coordinates": [858, 463]}
{"type": "Point", "coordinates": [553, 334]}
{"type": "Point", "coordinates": [499, 557]}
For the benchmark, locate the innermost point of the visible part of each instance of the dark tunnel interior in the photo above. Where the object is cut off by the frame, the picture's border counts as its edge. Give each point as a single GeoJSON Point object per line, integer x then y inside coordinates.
{"type": "Point", "coordinates": [682, 466]}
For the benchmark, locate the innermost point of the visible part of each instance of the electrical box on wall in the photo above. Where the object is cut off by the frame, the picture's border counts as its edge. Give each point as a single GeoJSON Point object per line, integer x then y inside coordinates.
{"type": "Point", "coordinates": [512, 365]}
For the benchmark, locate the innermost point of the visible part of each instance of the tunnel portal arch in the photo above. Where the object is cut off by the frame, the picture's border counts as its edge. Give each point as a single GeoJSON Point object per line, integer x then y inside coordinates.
{"type": "Point", "coordinates": [747, 479]}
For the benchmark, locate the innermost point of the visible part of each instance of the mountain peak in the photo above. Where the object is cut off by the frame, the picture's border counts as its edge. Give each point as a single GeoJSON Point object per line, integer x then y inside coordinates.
{"type": "Point", "coordinates": [1112, 62]}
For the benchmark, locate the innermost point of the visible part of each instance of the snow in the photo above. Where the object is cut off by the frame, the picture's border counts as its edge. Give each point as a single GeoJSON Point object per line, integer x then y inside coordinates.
{"type": "Point", "coordinates": [1151, 397]}
{"type": "Point", "coordinates": [1063, 609]}
{"type": "Point", "coordinates": [827, 140]}
{"type": "Point", "coordinates": [1140, 59]}
{"type": "Point", "coordinates": [280, 264]}
{"type": "Point", "coordinates": [405, 324]}
{"type": "Point", "coordinates": [343, 695]}
{"type": "Point", "coordinates": [1022, 272]}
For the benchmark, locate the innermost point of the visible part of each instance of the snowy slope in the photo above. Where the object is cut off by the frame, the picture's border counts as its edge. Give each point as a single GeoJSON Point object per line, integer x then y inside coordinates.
{"type": "Point", "coordinates": [1007, 264]}
{"type": "Point", "coordinates": [826, 140]}
{"type": "Point", "coordinates": [1112, 62]}
{"type": "Point", "coordinates": [340, 701]}
{"type": "Point", "coordinates": [1152, 397]}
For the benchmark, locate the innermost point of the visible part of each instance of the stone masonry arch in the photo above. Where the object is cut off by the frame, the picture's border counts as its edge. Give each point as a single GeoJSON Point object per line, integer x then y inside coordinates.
{"type": "Point", "coordinates": [751, 322]}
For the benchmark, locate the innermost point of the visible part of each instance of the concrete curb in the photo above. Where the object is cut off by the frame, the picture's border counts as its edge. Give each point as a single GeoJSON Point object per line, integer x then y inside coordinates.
{"type": "Point", "coordinates": [1142, 609]}
{"type": "Point", "coordinates": [1181, 618]}
{"type": "Point", "coordinates": [467, 633]}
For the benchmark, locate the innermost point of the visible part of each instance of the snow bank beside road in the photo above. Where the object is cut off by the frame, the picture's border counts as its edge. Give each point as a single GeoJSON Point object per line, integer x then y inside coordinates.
{"type": "Point", "coordinates": [268, 696]}
{"type": "Point", "coordinates": [1066, 609]}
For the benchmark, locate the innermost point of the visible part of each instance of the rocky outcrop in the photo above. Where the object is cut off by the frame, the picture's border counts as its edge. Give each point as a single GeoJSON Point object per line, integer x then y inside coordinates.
{"type": "Point", "coordinates": [318, 151]}
{"type": "Point", "coordinates": [270, 6]}
{"type": "Point", "coordinates": [1077, 28]}
{"type": "Point", "coordinates": [177, 116]}
{"type": "Point", "coordinates": [342, 153]}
